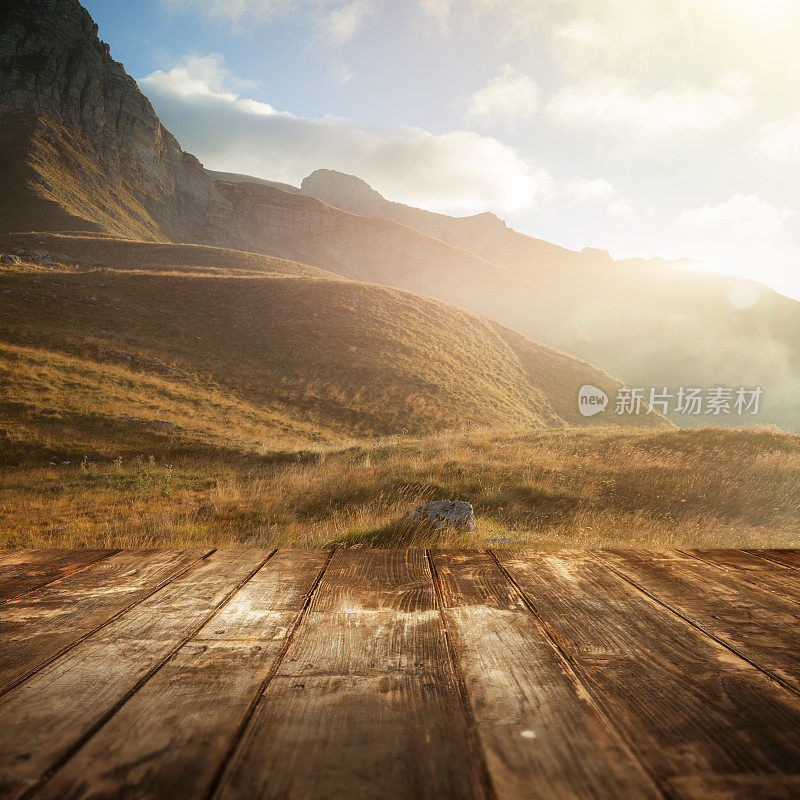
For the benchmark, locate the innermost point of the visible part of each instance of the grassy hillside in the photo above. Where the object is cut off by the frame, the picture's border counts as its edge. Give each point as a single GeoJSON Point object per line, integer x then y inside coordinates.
{"type": "Point", "coordinates": [58, 183]}
{"type": "Point", "coordinates": [60, 407]}
{"type": "Point", "coordinates": [165, 350]}
{"type": "Point", "coordinates": [561, 488]}
{"type": "Point", "coordinates": [99, 251]}
{"type": "Point", "coordinates": [153, 396]}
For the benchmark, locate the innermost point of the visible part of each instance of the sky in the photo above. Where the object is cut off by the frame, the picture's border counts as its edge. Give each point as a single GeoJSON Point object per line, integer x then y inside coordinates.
{"type": "Point", "coordinates": [651, 128]}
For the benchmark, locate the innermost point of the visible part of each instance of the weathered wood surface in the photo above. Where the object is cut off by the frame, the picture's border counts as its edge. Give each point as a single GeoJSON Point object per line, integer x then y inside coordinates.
{"type": "Point", "coordinates": [686, 705]}
{"type": "Point", "coordinates": [764, 570]}
{"type": "Point", "coordinates": [38, 626]}
{"type": "Point", "coordinates": [29, 569]}
{"type": "Point", "coordinates": [364, 703]}
{"type": "Point", "coordinates": [399, 674]}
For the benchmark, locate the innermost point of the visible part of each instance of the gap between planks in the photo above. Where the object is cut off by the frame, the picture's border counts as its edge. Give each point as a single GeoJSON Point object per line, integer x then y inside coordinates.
{"type": "Point", "coordinates": [749, 568]}
{"type": "Point", "coordinates": [699, 627]}
{"type": "Point", "coordinates": [51, 572]}
{"type": "Point", "coordinates": [256, 701]}
{"type": "Point", "coordinates": [573, 671]}
{"type": "Point", "coordinates": [458, 677]}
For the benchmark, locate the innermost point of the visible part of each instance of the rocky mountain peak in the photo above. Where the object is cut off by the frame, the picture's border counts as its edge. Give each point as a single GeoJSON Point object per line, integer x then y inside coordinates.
{"type": "Point", "coordinates": [343, 191]}
{"type": "Point", "coordinates": [53, 63]}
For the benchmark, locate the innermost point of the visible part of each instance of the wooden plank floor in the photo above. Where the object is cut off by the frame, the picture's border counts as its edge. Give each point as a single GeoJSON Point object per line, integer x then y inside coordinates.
{"type": "Point", "coordinates": [399, 674]}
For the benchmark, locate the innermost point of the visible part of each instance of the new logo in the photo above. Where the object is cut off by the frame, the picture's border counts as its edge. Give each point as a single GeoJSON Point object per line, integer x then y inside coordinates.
{"type": "Point", "coordinates": [591, 400]}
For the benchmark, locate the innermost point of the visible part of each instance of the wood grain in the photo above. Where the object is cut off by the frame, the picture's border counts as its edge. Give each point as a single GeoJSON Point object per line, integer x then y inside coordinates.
{"type": "Point", "coordinates": [772, 575]}
{"type": "Point", "coordinates": [41, 624]}
{"type": "Point", "coordinates": [789, 557]}
{"type": "Point", "coordinates": [542, 735]}
{"type": "Point", "coordinates": [694, 712]}
{"type": "Point", "coordinates": [364, 704]}
{"type": "Point", "coordinates": [169, 739]}
{"type": "Point", "coordinates": [29, 569]}
{"type": "Point", "coordinates": [751, 621]}
{"type": "Point", "coordinates": [64, 703]}
{"type": "Point", "coordinates": [399, 674]}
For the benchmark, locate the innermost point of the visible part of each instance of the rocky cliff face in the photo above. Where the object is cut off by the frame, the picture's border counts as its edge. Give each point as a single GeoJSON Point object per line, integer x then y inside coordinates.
{"type": "Point", "coordinates": [78, 110]}
{"type": "Point", "coordinates": [305, 229]}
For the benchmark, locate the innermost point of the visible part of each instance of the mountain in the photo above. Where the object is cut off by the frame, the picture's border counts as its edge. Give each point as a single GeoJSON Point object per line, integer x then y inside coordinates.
{"type": "Point", "coordinates": [81, 149]}
{"type": "Point", "coordinates": [483, 234]}
{"type": "Point", "coordinates": [80, 144]}
{"type": "Point", "coordinates": [653, 323]}
{"type": "Point", "coordinates": [84, 150]}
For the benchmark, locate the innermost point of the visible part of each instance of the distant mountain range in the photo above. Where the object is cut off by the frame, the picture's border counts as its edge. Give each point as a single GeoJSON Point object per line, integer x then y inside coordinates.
{"type": "Point", "coordinates": [81, 150]}
{"type": "Point", "coordinates": [652, 322]}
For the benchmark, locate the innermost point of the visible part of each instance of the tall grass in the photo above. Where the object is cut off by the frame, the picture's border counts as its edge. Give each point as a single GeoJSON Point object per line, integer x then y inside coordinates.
{"type": "Point", "coordinates": [568, 488]}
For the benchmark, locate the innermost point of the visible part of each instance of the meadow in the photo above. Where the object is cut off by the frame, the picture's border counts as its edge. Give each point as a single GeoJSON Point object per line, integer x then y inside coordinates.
{"type": "Point", "coordinates": [600, 487]}
{"type": "Point", "coordinates": [162, 395]}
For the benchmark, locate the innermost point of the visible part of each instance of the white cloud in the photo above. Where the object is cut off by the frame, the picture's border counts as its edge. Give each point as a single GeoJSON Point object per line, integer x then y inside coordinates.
{"type": "Point", "coordinates": [458, 172]}
{"type": "Point", "coordinates": [344, 22]}
{"type": "Point", "coordinates": [438, 11]}
{"type": "Point", "coordinates": [508, 97]}
{"type": "Point", "coordinates": [745, 216]}
{"type": "Point", "coordinates": [197, 74]}
{"type": "Point", "coordinates": [613, 104]}
{"type": "Point", "coordinates": [584, 190]}
{"type": "Point", "coordinates": [343, 74]}
{"type": "Point", "coordinates": [779, 142]}
{"type": "Point", "coordinates": [196, 77]}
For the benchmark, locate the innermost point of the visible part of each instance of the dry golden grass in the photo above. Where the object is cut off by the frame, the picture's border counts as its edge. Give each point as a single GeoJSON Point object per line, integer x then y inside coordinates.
{"type": "Point", "coordinates": [171, 383]}
{"type": "Point", "coordinates": [99, 251]}
{"type": "Point", "coordinates": [569, 488]}
{"type": "Point", "coordinates": [70, 176]}
{"type": "Point", "coordinates": [58, 407]}
{"type": "Point", "coordinates": [345, 357]}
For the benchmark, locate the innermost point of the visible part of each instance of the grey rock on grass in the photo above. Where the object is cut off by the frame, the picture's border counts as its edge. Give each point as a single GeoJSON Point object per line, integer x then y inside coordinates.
{"type": "Point", "coordinates": [455, 514]}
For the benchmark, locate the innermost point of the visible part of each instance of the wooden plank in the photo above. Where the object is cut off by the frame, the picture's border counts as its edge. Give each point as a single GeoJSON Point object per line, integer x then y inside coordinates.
{"type": "Point", "coordinates": [542, 735]}
{"type": "Point", "coordinates": [364, 704]}
{"type": "Point", "coordinates": [206, 690]}
{"type": "Point", "coordinates": [27, 570]}
{"type": "Point", "coordinates": [54, 712]}
{"type": "Point", "coordinates": [41, 624]}
{"type": "Point", "coordinates": [759, 572]}
{"type": "Point", "coordinates": [755, 623]}
{"type": "Point", "coordinates": [9, 553]}
{"type": "Point", "coordinates": [384, 580]}
{"type": "Point", "coordinates": [789, 557]}
{"type": "Point", "coordinates": [694, 712]}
